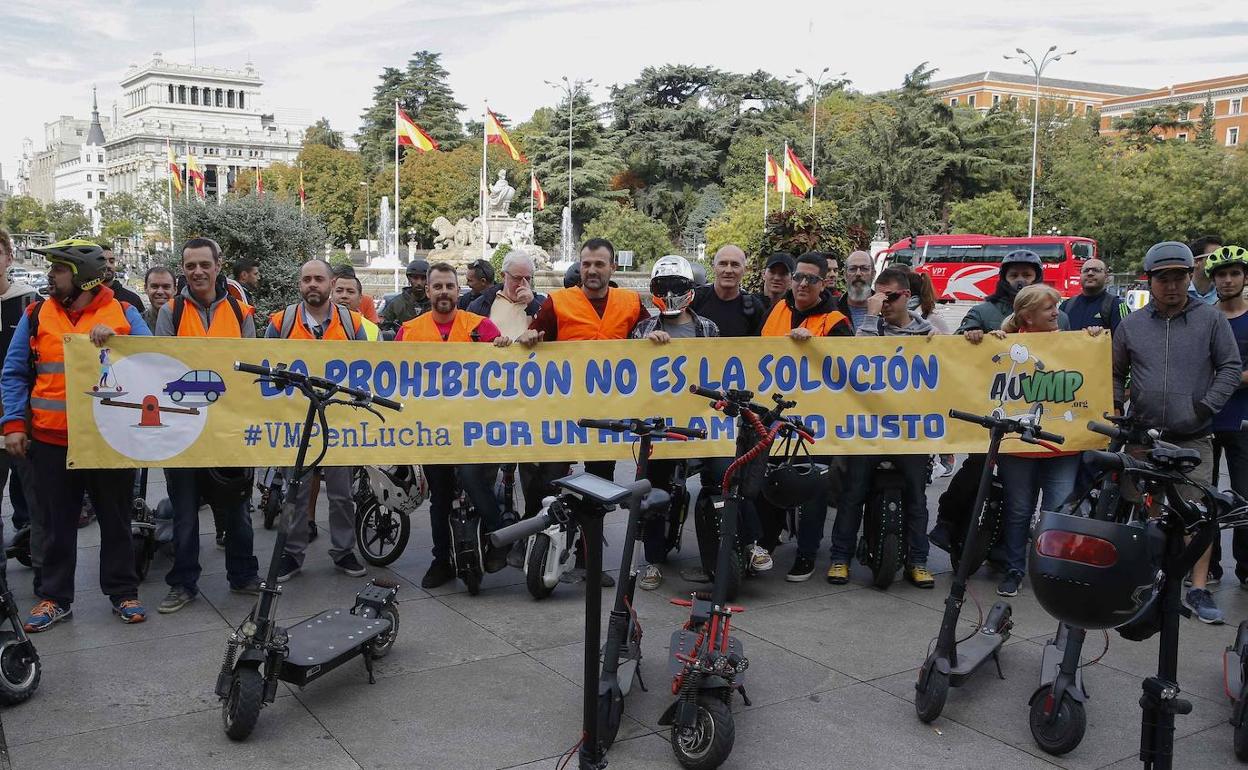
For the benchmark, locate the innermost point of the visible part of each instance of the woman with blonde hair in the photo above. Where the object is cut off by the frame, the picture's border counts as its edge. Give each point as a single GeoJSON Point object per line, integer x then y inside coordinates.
{"type": "Point", "coordinates": [1028, 478]}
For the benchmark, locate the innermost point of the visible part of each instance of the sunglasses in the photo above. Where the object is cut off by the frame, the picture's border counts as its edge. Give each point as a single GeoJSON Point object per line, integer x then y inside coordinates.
{"type": "Point", "coordinates": [893, 296]}
{"type": "Point", "coordinates": [799, 278]}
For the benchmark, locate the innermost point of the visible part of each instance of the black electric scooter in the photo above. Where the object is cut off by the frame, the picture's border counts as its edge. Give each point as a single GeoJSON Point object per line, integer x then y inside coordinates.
{"type": "Point", "coordinates": [882, 547]}
{"type": "Point", "coordinates": [586, 499]}
{"type": "Point", "coordinates": [260, 652]}
{"type": "Point", "coordinates": [20, 669]}
{"type": "Point", "coordinates": [952, 661]}
{"type": "Point", "coordinates": [621, 655]}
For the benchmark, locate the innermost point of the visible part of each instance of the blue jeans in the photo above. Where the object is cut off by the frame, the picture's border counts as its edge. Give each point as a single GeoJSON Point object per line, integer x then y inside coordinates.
{"type": "Point", "coordinates": [858, 471]}
{"type": "Point", "coordinates": [240, 560]}
{"type": "Point", "coordinates": [1026, 481]}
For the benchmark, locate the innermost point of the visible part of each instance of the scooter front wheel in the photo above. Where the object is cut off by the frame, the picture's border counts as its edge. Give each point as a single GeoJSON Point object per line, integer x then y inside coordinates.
{"type": "Point", "coordinates": [610, 714]}
{"type": "Point", "coordinates": [382, 533]}
{"type": "Point", "coordinates": [1064, 730]}
{"type": "Point", "coordinates": [1241, 739]}
{"type": "Point", "coordinates": [535, 572]}
{"type": "Point", "coordinates": [19, 678]}
{"type": "Point", "coordinates": [929, 698]}
{"type": "Point", "coordinates": [384, 643]}
{"type": "Point", "coordinates": [241, 709]}
{"type": "Point", "coordinates": [144, 550]}
{"type": "Point", "coordinates": [708, 742]}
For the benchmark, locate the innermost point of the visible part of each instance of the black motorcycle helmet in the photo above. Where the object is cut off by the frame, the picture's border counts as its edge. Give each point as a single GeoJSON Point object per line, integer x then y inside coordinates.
{"type": "Point", "coordinates": [1092, 573]}
{"type": "Point", "coordinates": [227, 487]}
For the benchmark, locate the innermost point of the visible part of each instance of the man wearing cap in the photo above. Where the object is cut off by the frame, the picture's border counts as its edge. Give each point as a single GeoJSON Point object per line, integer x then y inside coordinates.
{"type": "Point", "coordinates": [410, 302]}
{"type": "Point", "coordinates": [1183, 363]}
{"type": "Point", "coordinates": [479, 277]}
{"type": "Point", "coordinates": [778, 277]}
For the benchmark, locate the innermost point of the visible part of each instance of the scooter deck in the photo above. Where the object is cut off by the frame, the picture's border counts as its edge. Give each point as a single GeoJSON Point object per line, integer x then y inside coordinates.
{"type": "Point", "coordinates": [322, 642]}
{"type": "Point", "coordinates": [683, 641]}
{"type": "Point", "coordinates": [973, 653]}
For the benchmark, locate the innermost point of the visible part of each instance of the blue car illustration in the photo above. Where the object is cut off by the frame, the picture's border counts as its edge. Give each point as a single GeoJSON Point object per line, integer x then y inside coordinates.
{"type": "Point", "coordinates": [197, 382]}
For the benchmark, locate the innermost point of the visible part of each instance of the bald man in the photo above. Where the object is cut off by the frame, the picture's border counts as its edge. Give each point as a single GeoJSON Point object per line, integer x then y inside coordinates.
{"type": "Point", "coordinates": [1095, 305]}
{"type": "Point", "coordinates": [736, 313]}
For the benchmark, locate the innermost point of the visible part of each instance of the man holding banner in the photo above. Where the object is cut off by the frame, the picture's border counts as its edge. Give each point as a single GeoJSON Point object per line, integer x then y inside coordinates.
{"type": "Point", "coordinates": [205, 309]}
{"type": "Point", "coordinates": [446, 323]}
{"type": "Point", "coordinates": [318, 318]}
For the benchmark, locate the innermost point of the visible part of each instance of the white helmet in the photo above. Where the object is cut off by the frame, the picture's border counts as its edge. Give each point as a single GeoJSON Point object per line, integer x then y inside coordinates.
{"type": "Point", "coordinates": [671, 284]}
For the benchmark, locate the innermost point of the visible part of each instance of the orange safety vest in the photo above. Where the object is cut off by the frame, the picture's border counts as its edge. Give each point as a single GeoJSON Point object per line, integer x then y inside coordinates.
{"type": "Point", "coordinates": [780, 321]}
{"type": "Point", "coordinates": [298, 330]}
{"type": "Point", "coordinates": [579, 321]}
{"type": "Point", "coordinates": [422, 328]}
{"type": "Point", "coordinates": [47, 397]}
{"type": "Point", "coordinates": [225, 322]}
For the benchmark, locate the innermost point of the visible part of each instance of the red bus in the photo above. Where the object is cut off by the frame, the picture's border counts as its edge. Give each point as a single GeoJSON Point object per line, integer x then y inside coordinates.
{"type": "Point", "coordinates": [965, 267]}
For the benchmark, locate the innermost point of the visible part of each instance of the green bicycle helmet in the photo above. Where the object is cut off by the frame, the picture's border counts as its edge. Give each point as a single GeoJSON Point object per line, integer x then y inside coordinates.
{"type": "Point", "coordinates": [1226, 256]}
{"type": "Point", "coordinates": [84, 258]}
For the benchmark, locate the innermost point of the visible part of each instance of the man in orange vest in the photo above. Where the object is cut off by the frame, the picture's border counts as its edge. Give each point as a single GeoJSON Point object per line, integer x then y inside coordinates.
{"type": "Point", "coordinates": [317, 317]}
{"type": "Point", "coordinates": [807, 310]}
{"type": "Point", "coordinates": [205, 309]}
{"type": "Point", "coordinates": [34, 378]}
{"type": "Point", "coordinates": [446, 323]}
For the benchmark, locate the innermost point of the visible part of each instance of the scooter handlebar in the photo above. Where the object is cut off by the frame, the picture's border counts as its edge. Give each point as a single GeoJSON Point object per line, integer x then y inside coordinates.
{"type": "Point", "coordinates": [1103, 429]}
{"type": "Point", "coordinates": [1044, 435]}
{"type": "Point", "coordinates": [958, 414]}
{"type": "Point", "coordinates": [281, 373]}
{"type": "Point", "coordinates": [520, 530]}
{"type": "Point", "coordinates": [1110, 461]}
{"type": "Point", "coordinates": [635, 425]}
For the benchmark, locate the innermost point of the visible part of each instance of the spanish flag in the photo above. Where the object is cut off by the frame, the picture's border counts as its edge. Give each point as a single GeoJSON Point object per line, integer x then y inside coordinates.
{"type": "Point", "coordinates": [195, 176]}
{"type": "Point", "coordinates": [303, 196]}
{"type": "Point", "coordinates": [535, 189]}
{"type": "Point", "coordinates": [175, 171]}
{"type": "Point", "coordinates": [259, 182]}
{"type": "Point", "coordinates": [494, 134]}
{"type": "Point", "coordinates": [771, 173]}
{"type": "Point", "coordinates": [799, 177]}
{"type": "Point", "coordinates": [411, 135]}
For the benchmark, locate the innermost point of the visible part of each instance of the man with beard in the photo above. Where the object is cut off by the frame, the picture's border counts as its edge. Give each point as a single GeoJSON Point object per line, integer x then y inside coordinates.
{"type": "Point", "coordinates": [318, 318]}
{"type": "Point", "coordinates": [736, 313]}
{"type": "Point", "coordinates": [445, 322]}
{"type": "Point", "coordinates": [778, 277]}
{"type": "Point", "coordinates": [1095, 305]}
{"type": "Point", "coordinates": [410, 302]}
{"type": "Point", "coordinates": [112, 282]}
{"type": "Point", "coordinates": [859, 273]}
{"type": "Point", "coordinates": [1018, 269]}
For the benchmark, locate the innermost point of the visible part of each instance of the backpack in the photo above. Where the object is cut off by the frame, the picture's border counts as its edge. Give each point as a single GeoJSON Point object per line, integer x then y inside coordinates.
{"type": "Point", "coordinates": [1108, 304]}
{"type": "Point", "coordinates": [290, 314]}
{"type": "Point", "coordinates": [179, 307]}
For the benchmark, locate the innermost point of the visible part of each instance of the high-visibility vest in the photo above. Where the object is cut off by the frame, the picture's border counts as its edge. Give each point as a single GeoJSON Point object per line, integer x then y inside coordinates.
{"type": "Point", "coordinates": [47, 346]}
{"type": "Point", "coordinates": [290, 323]}
{"type": "Point", "coordinates": [223, 324]}
{"type": "Point", "coordinates": [579, 321]}
{"type": "Point", "coordinates": [422, 328]}
{"type": "Point", "coordinates": [780, 321]}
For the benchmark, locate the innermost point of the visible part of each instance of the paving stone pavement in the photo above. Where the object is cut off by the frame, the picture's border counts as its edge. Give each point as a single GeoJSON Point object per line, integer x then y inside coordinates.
{"type": "Point", "coordinates": [492, 681]}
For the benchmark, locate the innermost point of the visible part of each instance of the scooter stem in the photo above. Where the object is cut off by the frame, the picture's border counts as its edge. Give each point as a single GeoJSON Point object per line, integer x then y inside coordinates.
{"type": "Point", "coordinates": [591, 528]}
{"type": "Point", "coordinates": [618, 625]}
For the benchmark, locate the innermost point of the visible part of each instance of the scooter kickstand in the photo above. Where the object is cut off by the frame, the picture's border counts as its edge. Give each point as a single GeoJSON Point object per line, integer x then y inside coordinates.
{"type": "Point", "coordinates": [641, 681]}
{"type": "Point", "coordinates": [744, 698]}
{"type": "Point", "coordinates": [368, 665]}
{"type": "Point", "coordinates": [996, 658]}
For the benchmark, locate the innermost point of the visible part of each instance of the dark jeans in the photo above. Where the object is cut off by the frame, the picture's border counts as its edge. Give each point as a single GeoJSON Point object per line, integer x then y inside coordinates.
{"type": "Point", "coordinates": [1234, 447]}
{"type": "Point", "coordinates": [536, 483]}
{"type": "Point", "coordinates": [858, 475]}
{"type": "Point", "coordinates": [477, 482]}
{"type": "Point", "coordinates": [1026, 481]}
{"type": "Point", "coordinates": [814, 512]}
{"type": "Point", "coordinates": [241, 566]}
{"type": "Point", "coordinates": [58, 495]}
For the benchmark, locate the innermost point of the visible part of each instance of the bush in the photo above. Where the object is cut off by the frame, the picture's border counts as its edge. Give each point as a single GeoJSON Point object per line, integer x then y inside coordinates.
{"type": "Point", "coordinates": [997, 213]}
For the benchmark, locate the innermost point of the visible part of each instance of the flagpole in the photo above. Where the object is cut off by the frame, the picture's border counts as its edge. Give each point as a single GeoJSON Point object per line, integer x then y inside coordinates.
{"type": "Point", "coordinates": [186, 188]}
{"type": "Point", "coordinates": [485, 225]}
{"type": "Point", "coordinates": [784, 190]}
{"type": "Point", "coordinates": [396, 189]}
{"type": "Point", "coordinates": [169, 190]}
{"type": "Point", "coordinates": [766, 189]}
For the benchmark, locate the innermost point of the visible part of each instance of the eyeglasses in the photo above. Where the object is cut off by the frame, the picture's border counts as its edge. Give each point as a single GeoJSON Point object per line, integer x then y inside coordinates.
{"type": "Point", "coordinates": [858, 269]}
{"type": "Point", "coordinates": [812, 278]}
{"type": "Point", "coordinates": [514, 277]}
{"type": "Point", "coordinates": [893, 296]}
{"type": "Point", "coordinates": [1093, 270]}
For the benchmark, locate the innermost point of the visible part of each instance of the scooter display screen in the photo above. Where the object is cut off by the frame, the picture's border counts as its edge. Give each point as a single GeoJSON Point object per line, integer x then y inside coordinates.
{"type": "Point", "coordinates": [593, 487]}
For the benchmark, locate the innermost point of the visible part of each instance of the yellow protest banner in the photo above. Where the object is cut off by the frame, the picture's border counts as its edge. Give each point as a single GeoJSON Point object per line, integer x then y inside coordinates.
{"type": "Point", "coordinates": [153, 401]}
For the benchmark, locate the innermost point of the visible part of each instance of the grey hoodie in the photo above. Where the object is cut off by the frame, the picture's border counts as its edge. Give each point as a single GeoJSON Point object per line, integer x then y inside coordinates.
{"type": "Point", "coordinates": [876, 326]}
{"type": "Point", "coordinates": [1182, 370]}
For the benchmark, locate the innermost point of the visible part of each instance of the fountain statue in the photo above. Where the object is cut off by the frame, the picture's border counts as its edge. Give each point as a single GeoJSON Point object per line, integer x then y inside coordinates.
{"type": "Point", "coordinates": [388, 258]}
{"type": "Point", "coordinates": [566, 247]}
{"type": "Point", "coordinates": [501, 194]}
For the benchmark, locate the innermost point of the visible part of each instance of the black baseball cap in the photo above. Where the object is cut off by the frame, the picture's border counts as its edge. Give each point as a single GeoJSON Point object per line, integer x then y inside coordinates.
{"type": "Point", "coordinates": [418, 266]}
{"type": "Point", "coordinates": [782, 258]}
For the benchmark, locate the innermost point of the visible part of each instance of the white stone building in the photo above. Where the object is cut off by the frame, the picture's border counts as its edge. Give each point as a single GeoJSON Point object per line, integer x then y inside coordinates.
{"type": "Point", "coordinates": [213, 113]}
{"type": "Point", "coordinates": [62, 142]}
{"type": "Point", "coordinates": [80, 177]}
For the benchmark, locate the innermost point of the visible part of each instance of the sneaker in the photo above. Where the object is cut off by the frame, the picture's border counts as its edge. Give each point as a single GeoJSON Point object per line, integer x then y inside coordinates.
{"type": "Point", "coordinates": [698, 575]}
{"type": "Point", "coordinates": [919, 575]}
{"type": "Point", "coordinates": [176, 599]}
{"type": "Point", "coordinates": [351, 566]}
{"type": "Point", "coordinates": [439, 573]}
{"type": "Point", "coordinates": [650, 577]}
{"type": "Point", "coordinates": [221, 540]}
{"type": "Point", "coordinates": [515, 557]}
{"type": "Point", "coordinates": [607, 581]}
{"type": "Point", "coordinates": [760, 560]}
{"type": "Point", "coordinates": [287, 568]}
{"type": "Point", "coordinates": [44, 615]}
{"type": "Point", "coordinates": [130, 611]}
{"type": "Point", "coordinates": [938, 471]}
{"type": "Point", "coordinates": [577, 575]}
{"type": "Point", "coordinates": [838, 573]}
{"type": "Point", "coordinates": [803, 567]}
{"type": "Point", "coordinates": [1009, 586]}
{"type": "Point", "coordinates": [946, 470]}
{"type": "Point", "coordinates": [1200, 602]}
{"type": "Point", "coordinates": [251, 588]}
{"type": "Point", "coordinates": [312, 533]}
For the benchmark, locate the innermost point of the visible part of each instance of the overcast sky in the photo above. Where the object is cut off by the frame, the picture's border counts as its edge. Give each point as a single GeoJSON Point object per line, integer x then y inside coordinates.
{"type": "Point", "coordinates": [322, 57]}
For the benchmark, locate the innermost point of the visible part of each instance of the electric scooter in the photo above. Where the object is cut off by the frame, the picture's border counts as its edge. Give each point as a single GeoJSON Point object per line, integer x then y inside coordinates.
{"type": "Point", "coordinates": [584, 500]}
{"type": "Point", "coordinates": [260, 652]}
{"type": "Point", "coordinates": [621, 655]}
{"type": "Point", "coordinates": [706, 662]}
{"type": "Point", "coordinates": [551, 552]}
{"type": "Point", "coordinates": [386, 496]}
{"type": "Point", "coordinates": [952, 661]}
{"type": "Point", "coordinates": [467, 545]}
{"type": "Point", "coordinates": [882, 546]}
{"type": "Point", "coordinates": [20, 669]}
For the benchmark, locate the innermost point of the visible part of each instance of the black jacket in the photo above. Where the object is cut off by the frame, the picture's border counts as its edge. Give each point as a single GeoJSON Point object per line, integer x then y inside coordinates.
{"type": "Point", "coordinates": [125, 295]}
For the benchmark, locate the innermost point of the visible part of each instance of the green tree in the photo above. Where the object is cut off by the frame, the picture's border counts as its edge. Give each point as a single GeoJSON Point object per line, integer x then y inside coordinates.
{"type": "Point", "coordinates": [320, 133]}
{"type": "Point", "coordinates": [994, 213]}
{"type": "Point", "coordinates": [67, 219]}
{"type": "Point", "coordinates": [1148, 125]}
{"type": "Point", "coordinates": [710, 205]}
{"type": "Point", "coordinates": [24, 214]}
{"type": "Point", "coordinates": [426, 97]}
{"type": "Point", "coordinates": [127, 215]}
{"type": "Point", "coordinates": [1204, 128]}
{"type": "Point", "coordinates": [630, 230]}
{"type": "Point", "coordinates": [741, 222]}
{"type": "Point", "coordinates": [268, 230]}
{"type": "Point", "coordinates": [331, 182]}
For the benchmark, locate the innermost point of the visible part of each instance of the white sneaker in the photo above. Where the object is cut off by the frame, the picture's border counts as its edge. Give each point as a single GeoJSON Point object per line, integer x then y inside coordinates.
{"type": "Point", "coordinates": [649, 578]}
{"type": "Point", "coordinates": [760, 560]}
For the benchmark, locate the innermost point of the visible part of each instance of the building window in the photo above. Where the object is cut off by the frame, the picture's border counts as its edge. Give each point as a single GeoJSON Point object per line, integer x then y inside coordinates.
{"type": "Point", "coordinates": [88, 193]}
{"type": "Point", "coordinates": [78, 131]}
{"type": "Point", "coordinates": [207, 97]}
{"type": "Point", "coordinates": [971, 100]}
{"type": "Point", "coordinates": [1014, 101]}
{"type": "Point", "coordinates": [1070, 108]}
{"type": "Point", "coordinates": [953, 102]}
{"type": "Point", "coordinates": [1236, 105]}
{"type": "Point", "coordinates": [220, 98]}
{"type": "Point", "coordinates": [229, 98]}
{"type": "Point", "coordinates": [101, 192]}
{"type": "Point", "coordinates": [1183, 115]}
{"type": "Point", "coordinates": [1182, 137]}
{"type": "Point", "coordinates": [194, 95]}
{"type": "Point", "coordinates": [100, 158]}
{"type": "Point", "coordinates": [241, 105]}
{"type": "Point", "coordinates": [1232, 136]}
{"type": "Point", "coordinates": [88, 177]}
{"type": "Point", "coordinates": [996, 99]}
{"type": "Point", "coordinates": [171, 93]}
{"type": "Point", "coordinates": [1087, 110]}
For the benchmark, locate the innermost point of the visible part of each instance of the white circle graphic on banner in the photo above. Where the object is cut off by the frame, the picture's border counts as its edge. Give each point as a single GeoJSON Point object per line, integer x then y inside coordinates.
{"type": "Point", "coordinates": [150, 407]}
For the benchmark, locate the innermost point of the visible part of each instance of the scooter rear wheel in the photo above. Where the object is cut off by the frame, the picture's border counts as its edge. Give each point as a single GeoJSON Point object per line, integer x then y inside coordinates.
{"type": "Point", "coordinates": [930, 701]}
{"type": "Point", "coordinates": [1066, 730]}
{"type": "Point", "coordinates": [384, 643]}
{"type": "Point", "coordinates": [1241, 740]}
{"type": "Point", "coordinates": [538, 554]}
{"type": "Point", "coordinates": [708, 743]}
{"type": "Point", "coordinates": [241, 709]}
{"type": "Point", "coordinates": [18, 679]}
{"type": "Point", "coordinates": [382, 533]}
{"type": "Point", "coordinates": [144, 550]}
{"type": "Point", "coordinates": [889, 562]}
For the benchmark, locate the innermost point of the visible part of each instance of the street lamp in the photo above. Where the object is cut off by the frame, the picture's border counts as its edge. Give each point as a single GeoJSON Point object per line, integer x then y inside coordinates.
{"type": "Point", "coordinates": [368, 215]}
{"type": "Point", "coordinates": [569, 89]}
{"type": "Point", "coordinates": [1038, 69]}
{"type": "Point", "coordinates": [815, 84]}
